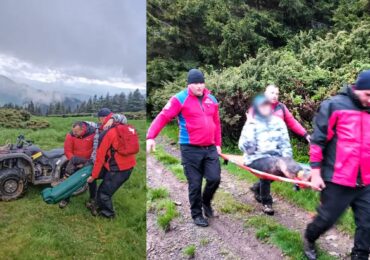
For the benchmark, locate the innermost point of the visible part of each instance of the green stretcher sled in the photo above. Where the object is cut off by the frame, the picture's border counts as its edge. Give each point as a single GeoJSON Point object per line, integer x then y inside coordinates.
{"type": "Point", "coordinates": [66, 188]}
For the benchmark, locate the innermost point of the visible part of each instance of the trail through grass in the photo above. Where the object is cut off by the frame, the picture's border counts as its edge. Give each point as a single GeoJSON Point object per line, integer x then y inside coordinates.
{"type": "Point", "coordinates": [290, 242]}
{"type": "Point", "coordinates": [171, 163]}
{"type": "Point", "coordinates": [266, 228]}
{"type": "Point", "coordinates": [31, 229]}
{"type": "Point", "coordinates": [306, 199]}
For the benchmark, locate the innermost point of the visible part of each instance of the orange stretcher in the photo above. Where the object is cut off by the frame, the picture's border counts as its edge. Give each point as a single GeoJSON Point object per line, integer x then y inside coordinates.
{"type": "Point", "coordinates": [238, 160]}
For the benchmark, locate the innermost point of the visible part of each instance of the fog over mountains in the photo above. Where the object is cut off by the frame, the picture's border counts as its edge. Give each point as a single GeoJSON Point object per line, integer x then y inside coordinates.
{"type": "Point", "coordinates": [68, 51]}
{"type": "Point", "coordinates": [18, 93]}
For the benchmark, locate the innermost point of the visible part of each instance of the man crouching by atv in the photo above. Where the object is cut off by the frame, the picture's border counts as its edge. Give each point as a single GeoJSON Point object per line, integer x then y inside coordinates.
{"type": "Point", "coordinates": [115, 160]}
{"type": "Point", "coordinates": [79, 147]}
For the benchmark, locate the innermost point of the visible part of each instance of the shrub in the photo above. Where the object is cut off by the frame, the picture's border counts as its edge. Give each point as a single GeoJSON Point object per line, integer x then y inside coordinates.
{"type": "Point", "coordinates": [305, 78]}
{"type": "Point", "coordinates": [308, 48]}
{"type": "Point", "coordinates": [189, 251]}
{"type": "Point", "coordinates": [158, 201]}
{"type": "Point", "coordinates": [167, 212]}
{"type": "Point", "coordinates": [14, 118]}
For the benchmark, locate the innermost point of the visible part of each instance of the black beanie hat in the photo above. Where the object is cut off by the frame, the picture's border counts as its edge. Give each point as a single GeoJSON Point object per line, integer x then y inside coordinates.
{"type": "Point", "coordinates": [195, 76]}
{"type": "Point", "coordinates": [363, 80]}
{"type": "Point", "coordinates": [104, 112]}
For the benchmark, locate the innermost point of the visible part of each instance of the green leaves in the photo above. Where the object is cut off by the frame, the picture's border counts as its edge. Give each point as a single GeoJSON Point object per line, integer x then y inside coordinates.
{"type": "Point", "coordinates": [307, 48]}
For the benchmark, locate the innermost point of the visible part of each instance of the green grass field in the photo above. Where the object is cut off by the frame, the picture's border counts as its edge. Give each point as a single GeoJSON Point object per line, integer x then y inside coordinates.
{"type": "Point", "coordinates": [31, 229]}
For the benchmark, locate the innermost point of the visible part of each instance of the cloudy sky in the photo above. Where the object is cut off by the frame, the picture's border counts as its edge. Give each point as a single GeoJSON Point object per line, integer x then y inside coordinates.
{"type": "Point", "coordinates": [74, 42]}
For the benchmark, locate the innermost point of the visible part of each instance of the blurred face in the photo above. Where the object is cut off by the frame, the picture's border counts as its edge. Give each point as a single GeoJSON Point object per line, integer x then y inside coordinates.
{"type": "Point", "coordinates": [197, 88]}
{"type": "Point", "coordinates": [363, 96]}
{"type": "Point", "coordinates": [77, 131]}
{"type": "Point", "coordinates": [265, 109]}
{"type": "Point", "coordinates": [272, 93]}
{"type": "Point", "coordinates": [101, 119]}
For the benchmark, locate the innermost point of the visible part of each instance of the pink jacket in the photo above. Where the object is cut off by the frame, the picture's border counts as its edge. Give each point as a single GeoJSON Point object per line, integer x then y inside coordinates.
{"type": "Point", "coordinates": [198, 120]}
{"type": "Point", "coordinates": [340, 143]}
{"type": "Point", "coordinates": [280, 110]}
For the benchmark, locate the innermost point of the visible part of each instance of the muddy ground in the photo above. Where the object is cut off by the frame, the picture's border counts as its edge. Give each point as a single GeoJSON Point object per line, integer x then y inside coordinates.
{"type": "Point", "coordinates": [225, 238]}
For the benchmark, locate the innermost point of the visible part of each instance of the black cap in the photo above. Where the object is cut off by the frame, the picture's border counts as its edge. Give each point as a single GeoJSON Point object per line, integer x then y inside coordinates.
{"type": "Point", "coordinates": [363, 80]}
{"type": "Point", "coordinates": [104, 112]}
{"type": "Point", "coordinates": [195, 76]}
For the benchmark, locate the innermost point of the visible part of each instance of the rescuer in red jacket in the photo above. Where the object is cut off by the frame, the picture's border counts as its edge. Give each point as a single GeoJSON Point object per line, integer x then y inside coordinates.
{"type": "Point", "coordinates": [79, 146]}
{"type": "Point", "coordinates": [197, 111]}
{"type": "Point", "coordinates": [340, 162]}
{"type": "Point", "coordinates": [111, 166]}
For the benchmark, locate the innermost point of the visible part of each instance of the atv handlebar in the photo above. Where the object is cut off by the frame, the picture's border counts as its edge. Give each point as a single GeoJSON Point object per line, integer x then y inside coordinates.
{"type": "Point", "coordinates": [21, 141]}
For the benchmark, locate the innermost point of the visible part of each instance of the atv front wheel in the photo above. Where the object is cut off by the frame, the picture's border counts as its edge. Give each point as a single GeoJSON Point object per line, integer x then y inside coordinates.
{"type": "Point", "coordinates": [13, 184]}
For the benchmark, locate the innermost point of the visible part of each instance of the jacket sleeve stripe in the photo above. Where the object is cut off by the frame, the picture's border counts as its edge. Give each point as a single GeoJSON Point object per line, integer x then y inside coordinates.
{"type": "Point", "coordinates": [170, 111]}
{"type": "Point", "coordinates": [320, 134]}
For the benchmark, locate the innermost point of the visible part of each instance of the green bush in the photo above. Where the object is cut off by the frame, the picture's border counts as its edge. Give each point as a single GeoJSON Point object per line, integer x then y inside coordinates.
{"type": "Point", "coordinates": [37, 124]}
{"type": "Point", "coordinates": [307, 48]}
{"type": "Point", "coordinates": [130, 115]}
{"type": "Point", "coordinates": [167, 212]}
{"type": "Point", "coordinates": [158, 193]}
{"type": "Point", "coordinates": [189, 251]}
{"type": "Point", "coordinates": [13, 118]}
{"type": "Point", "coordinates": [305, 78]}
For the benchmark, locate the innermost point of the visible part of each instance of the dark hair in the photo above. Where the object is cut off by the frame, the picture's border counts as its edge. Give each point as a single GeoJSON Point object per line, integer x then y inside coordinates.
{"type": "Point", "coordinates": [78, 123]}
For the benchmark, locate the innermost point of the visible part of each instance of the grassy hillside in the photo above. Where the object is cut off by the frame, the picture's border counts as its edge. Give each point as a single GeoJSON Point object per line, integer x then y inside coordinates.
{"type": "Point", "coordinates": [31, 229]}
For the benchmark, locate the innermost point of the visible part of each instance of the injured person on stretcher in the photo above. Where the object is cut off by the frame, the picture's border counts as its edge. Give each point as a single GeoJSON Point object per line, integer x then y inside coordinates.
{"type": "Point", "coordinates": [266, 146]}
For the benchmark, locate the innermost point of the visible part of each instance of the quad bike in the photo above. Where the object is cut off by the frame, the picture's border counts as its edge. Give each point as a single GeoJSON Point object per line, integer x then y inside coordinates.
{"type": "Point", "coordinates": [24, 163]}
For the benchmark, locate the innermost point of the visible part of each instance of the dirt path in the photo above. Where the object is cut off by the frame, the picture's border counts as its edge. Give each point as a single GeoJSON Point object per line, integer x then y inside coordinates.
{"type": "Point", "coordinates": [225, 238]}
{"type": "Point", "coordinates": [334, 242]}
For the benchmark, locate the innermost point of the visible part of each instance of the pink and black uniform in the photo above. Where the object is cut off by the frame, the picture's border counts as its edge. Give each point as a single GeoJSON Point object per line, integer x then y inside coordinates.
{"type": "Point", "coordinates": [199, 134]}
{"type": "Point", "coordinates": [340, 147]}
{"type": "Point", "coordinates": [340, 144]}
{"type": "Point", "coordinates": [198, 119]}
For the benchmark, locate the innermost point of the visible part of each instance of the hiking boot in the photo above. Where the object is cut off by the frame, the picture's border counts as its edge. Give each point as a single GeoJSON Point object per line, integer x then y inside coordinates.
{"type": "Point", "coordinates": [63, 204]}
{"type": "Point", "coordinates": [359, 256]}
{"type": "Point", "coordinates": [309, 249]}
{"type": "Point", "coordinates": [267, 209]}
{"type": "Point", "coordinates": [256, 191]}
{"type": "Point", "coordinates": [111, 217]}
{"type": "Point", "coordinates": [208, 211]}
{"type": "Point", "coordinates": [201, 221]}
{"type": "Point", "coordinates": [255, 187]}
{"type": "Point", "coordinates": [91, 205]}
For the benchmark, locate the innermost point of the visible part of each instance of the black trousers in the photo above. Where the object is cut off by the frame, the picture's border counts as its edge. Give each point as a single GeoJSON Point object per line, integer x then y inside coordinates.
{"type": "Point", "coordinates": [71, 168]}
{"type": "Point", "coordinates": [112, 181]}
{"type": "Point", "coordinates": [269, 165]}
{"type": "Point", "coordinates": [335, 199]}
{"type": "Point", "coordinates": [264, 189]}
{"type": "Point", "coordinates": [200, 162]}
